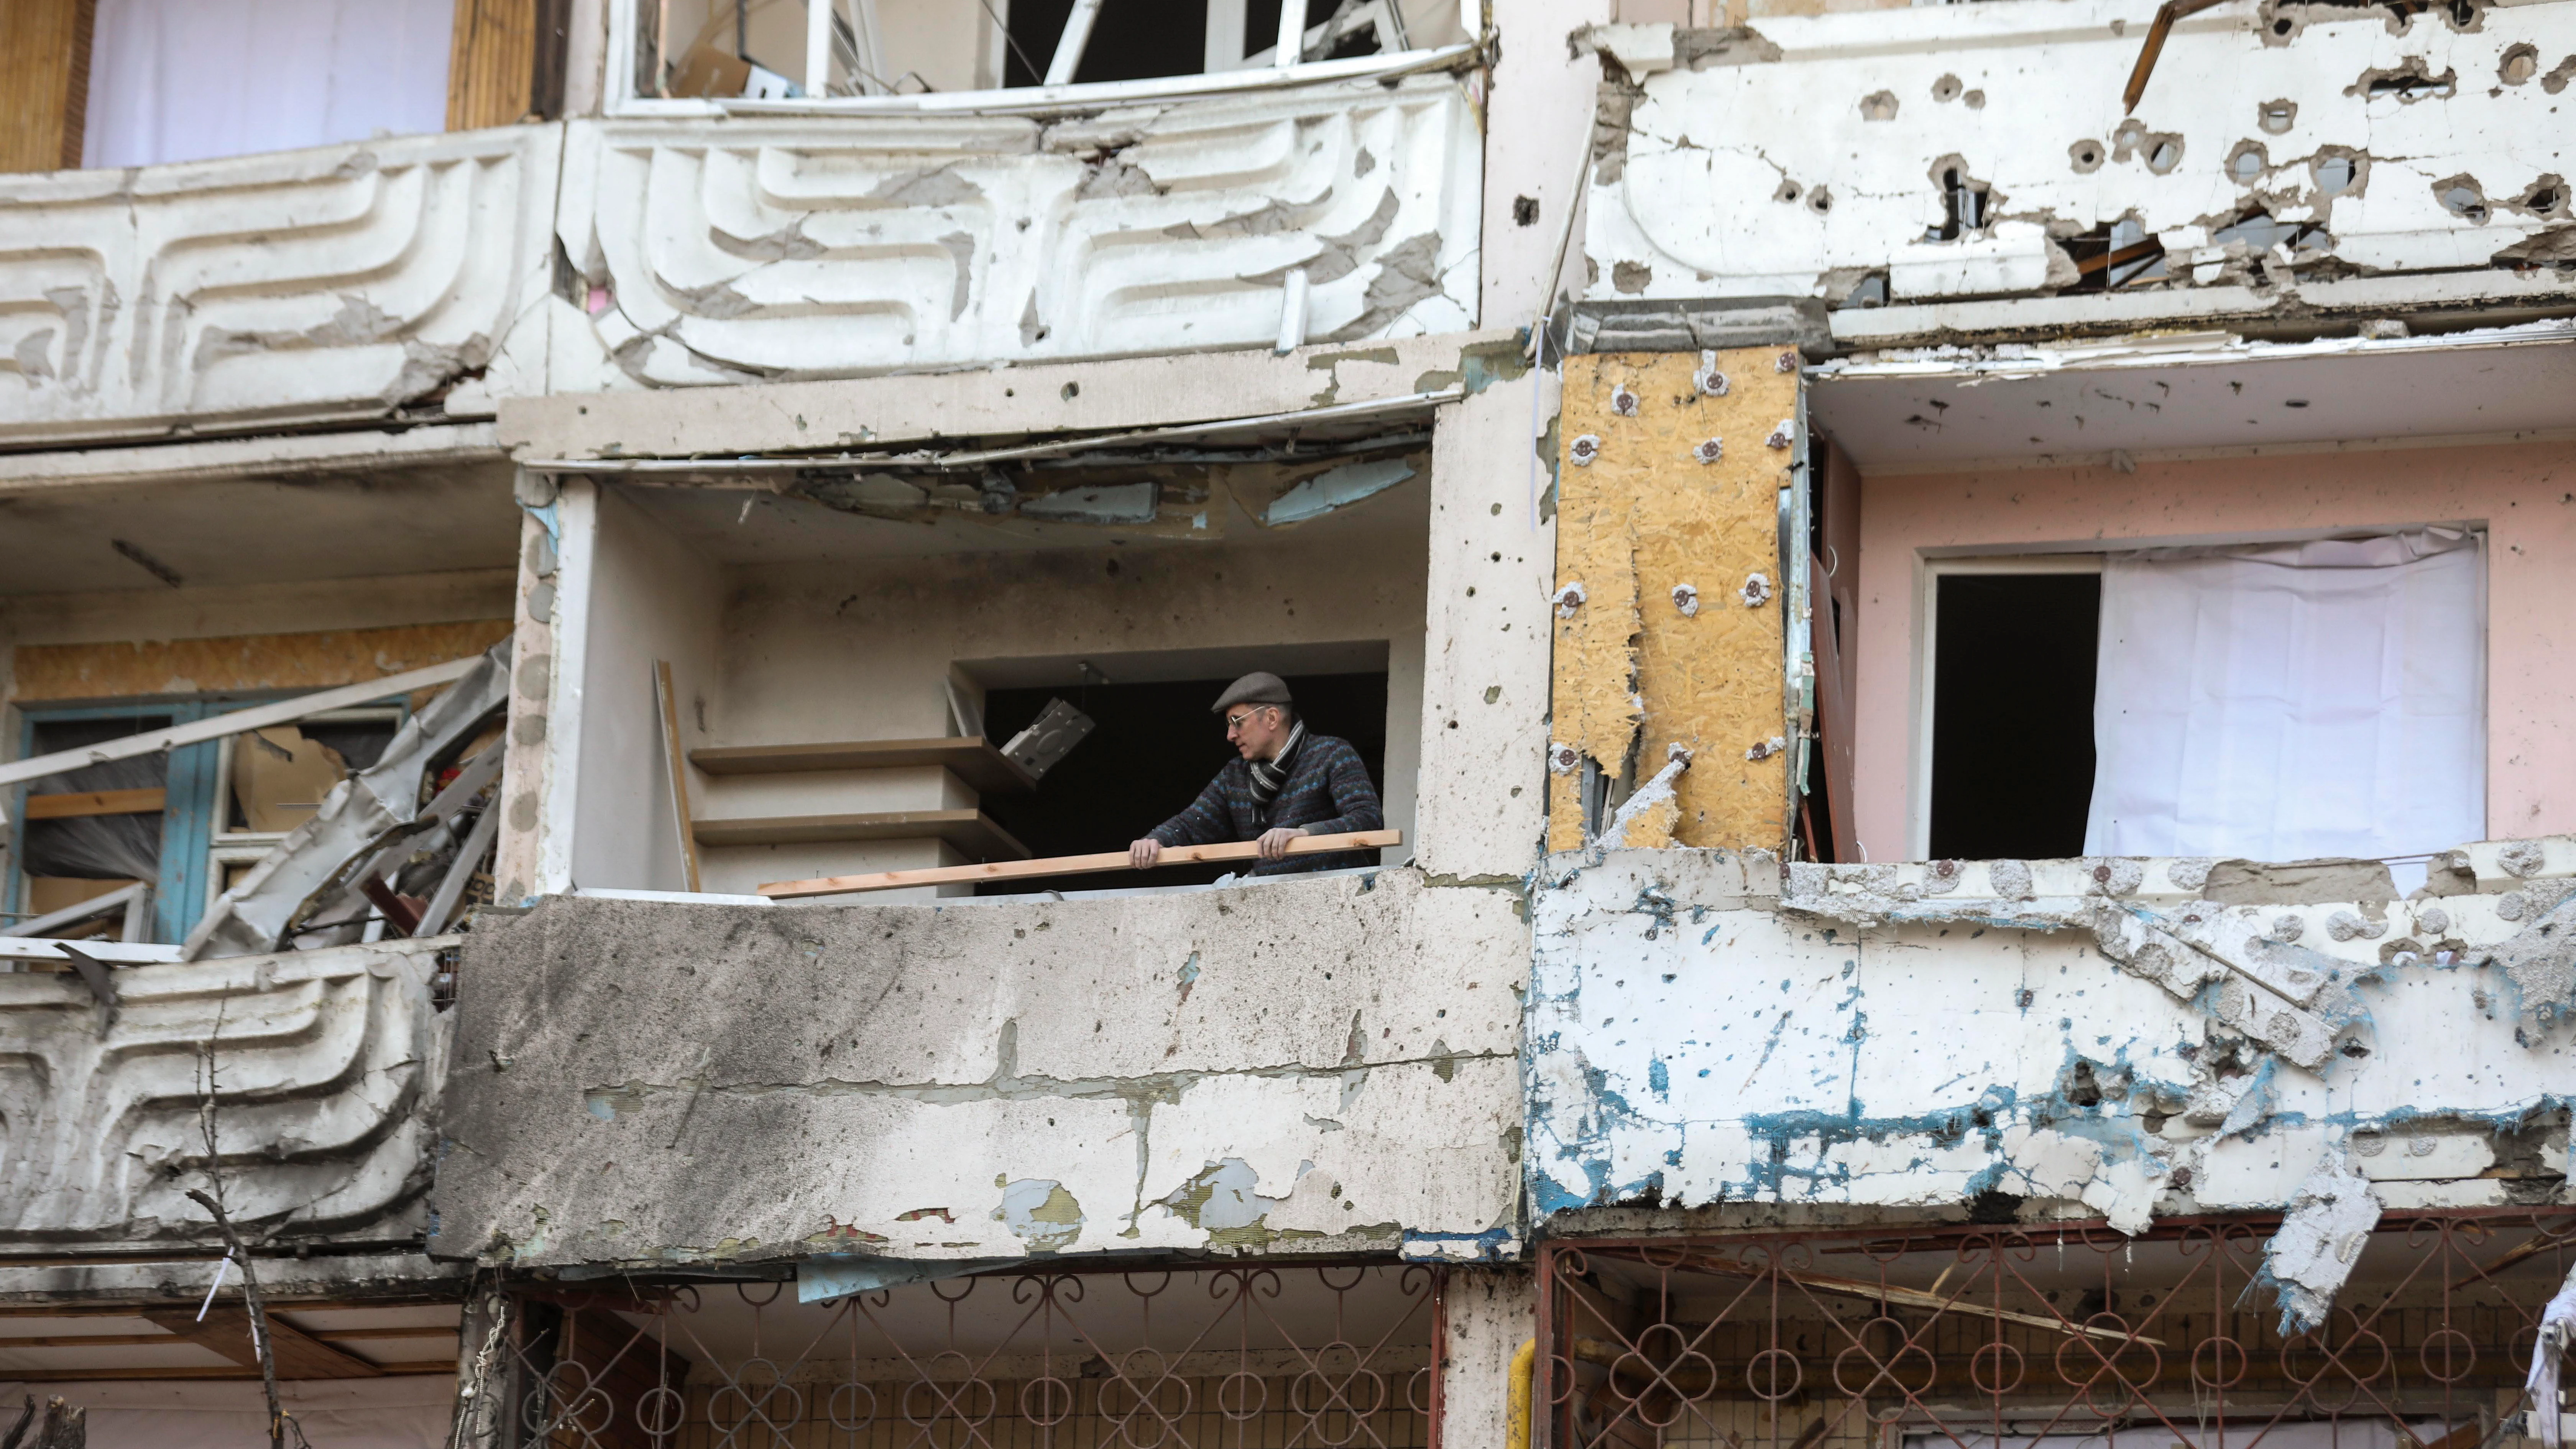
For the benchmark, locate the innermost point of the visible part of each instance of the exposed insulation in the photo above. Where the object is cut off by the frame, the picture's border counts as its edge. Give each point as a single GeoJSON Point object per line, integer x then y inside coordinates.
{"type": "Point", "coordinates": [1674, 637]}
{"type": "Point", "coordinates": [320, 660]}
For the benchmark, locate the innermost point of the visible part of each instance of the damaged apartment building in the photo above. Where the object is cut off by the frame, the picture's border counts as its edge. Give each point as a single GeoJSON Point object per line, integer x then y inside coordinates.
{"type": "Point", "coordinates": [1960, 617]}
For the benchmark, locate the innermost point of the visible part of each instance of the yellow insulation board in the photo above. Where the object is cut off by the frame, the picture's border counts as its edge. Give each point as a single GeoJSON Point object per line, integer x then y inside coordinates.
{"type": "Point", "coordinates": [1664, 530]}
{"type": "Point", "coordinates": [243, 662]}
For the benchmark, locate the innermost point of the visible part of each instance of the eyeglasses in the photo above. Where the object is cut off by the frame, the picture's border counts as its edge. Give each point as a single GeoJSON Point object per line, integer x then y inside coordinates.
{"type": "Point", "coordinates": [1234, 722]}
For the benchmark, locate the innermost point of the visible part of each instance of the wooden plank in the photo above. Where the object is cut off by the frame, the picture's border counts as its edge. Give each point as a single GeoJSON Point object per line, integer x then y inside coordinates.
{"type": "Point", "coordinates": [131, 1340]}
{"type": "Point", "coordinates": [216, 1372]}
{"type": "Point", "coordinates": [87, 1340]}
{"type": "Point", "coordinates": [971, 831]}
{"type": "Point", "coordinates": [257, 717]}
{"type": "Point", "coordinates": [275, 1305]}
{"type": "Point", "coordinates": [1067, 865]}
{"type": "Point", "coordinates": [44, 82]}
{"type": "Point", "coordinates": [973, 760]}
{"type": "Point", "coordinates": [669, 698]}
{"type": "Point", "coordinates": [97, 802]}
{"type": "Point", "coordinates": [491, 63]}
{"type": "Point", "coordinates": [226, 1330]}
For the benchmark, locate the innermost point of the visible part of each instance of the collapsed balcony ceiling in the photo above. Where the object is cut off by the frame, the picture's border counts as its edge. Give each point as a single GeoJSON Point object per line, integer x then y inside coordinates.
{"type": "Point", "coordinates": [2115, 402]}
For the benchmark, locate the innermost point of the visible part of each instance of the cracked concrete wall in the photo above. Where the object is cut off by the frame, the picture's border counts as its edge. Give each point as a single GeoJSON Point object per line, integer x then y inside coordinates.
{"type": "Point", "coordinates": [330, 285]}
{"type": "Point", "coordinates": [2520, 491]}
{"type": "Point", "coordinates": [1670, 657]}
{"type": "Point", "coordinates": [2098, 1035]}
{"type": "Point", "coordinates": [740, 251]}
{"type": "Point", "coordinates": [1803, 155]}
{"type": "Point", "coordinates": [1479, 803]}
{"type": "Point", "coordinates": [1259, 1066]}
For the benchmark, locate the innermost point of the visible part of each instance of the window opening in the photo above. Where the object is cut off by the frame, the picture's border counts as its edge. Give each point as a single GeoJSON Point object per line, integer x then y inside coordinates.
{"type": "Point", "coordinates": [1130, 40]}
{"type": "Point", "coordinates": [2012, 714]}
{"type": "Point", "coordinates": [820, 50]}
{"type": "Point", "coordinates": [92, 830]}
{"type": "Point", "coordinates": [1154, 747]}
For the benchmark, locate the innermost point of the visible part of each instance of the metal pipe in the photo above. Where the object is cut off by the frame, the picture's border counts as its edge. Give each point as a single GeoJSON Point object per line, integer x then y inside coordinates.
{"type": "Point", "coordinates": [1069, 46]}
{"type": "Point", "coordinates": [1292, 34]}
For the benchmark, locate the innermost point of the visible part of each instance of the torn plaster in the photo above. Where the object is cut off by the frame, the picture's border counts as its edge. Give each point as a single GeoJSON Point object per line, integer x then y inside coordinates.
{"type": "Point", "coordinates": [1708, 1028]}
{"type": "Point", "coordinates": [1724, 167]}
{"type": "Point", "coordinates": [1247, 1066]}
{"type": "Point", "coordinates": [1666, 503]}
{"type": "Point", "coordinates": [326, 285]}
{"type": "Point", "coordinates": [328, 1068]}
{"type": "Point", "coordinates": [2307, 1260]}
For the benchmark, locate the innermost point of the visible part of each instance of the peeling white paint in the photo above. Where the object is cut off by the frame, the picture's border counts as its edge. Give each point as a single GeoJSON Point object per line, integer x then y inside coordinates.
{"type": "Point", "coordinates": [2080, 1031]}
{"type": "Point", "coordinates": [1814, 150]}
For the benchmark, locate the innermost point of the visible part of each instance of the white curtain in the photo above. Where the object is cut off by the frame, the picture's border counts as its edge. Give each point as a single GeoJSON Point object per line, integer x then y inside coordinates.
{"type": "Point", "coordinates": [185, 80]}
{"type": "Point", "coordinates": [2292, 702]}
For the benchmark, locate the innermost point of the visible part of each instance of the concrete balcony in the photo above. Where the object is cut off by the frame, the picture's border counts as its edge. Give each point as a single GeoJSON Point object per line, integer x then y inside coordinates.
{"type": "Point", "coordinates": [319, 1072]}
{"type": "Point", "coordinates": [1258, 1067]}
{"type": "Point", "coordinates": [416, 278]}
{"type": "Point", "coordinates": [2118, 1037]}
{"type": "Point", "coordinates": [340, 284]}
{"type": "Point", "coordinates": [1929, 174]}
{"type": "Point", "coordinates": [756, 249]}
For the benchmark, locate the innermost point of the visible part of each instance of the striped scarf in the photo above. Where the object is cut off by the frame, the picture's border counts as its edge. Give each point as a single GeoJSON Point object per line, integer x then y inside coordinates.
{"type": "Point", "coordinates": [1271, 775]}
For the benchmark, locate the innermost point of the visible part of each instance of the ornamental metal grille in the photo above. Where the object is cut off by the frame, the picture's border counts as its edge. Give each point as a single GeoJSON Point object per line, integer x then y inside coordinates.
{"type": "Point", "coordinates": [2051, 1337]}
{"type": "Point", "coordinates": [1231, 1358]}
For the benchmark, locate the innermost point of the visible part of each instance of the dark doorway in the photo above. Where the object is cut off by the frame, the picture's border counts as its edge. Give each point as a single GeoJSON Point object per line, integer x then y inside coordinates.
{"type": "Point", "coordinates": [2012, 714]}
{"type": "Point", "coordinates": [1156, 746]}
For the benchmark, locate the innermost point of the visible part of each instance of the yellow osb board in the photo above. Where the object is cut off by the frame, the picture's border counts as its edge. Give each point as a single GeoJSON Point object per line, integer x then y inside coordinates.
{"type": "Point", "coordinates": [243, 661]}
{"type": "Point", "coordinates": [1646, 516]}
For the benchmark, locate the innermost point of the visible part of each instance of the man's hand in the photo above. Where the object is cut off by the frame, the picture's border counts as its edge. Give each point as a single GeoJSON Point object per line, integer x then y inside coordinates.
{"type": "Point", "coordinates": [1274, 843]}
{"type": "Point", "coordinates": [1143, 853]}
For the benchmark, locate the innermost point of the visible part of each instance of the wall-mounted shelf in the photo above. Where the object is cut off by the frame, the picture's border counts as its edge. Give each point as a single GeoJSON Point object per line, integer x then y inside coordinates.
{"type": "Point", "coordinates": [973, 760]}
{"type": "Point", "coordinates": [971, 831]}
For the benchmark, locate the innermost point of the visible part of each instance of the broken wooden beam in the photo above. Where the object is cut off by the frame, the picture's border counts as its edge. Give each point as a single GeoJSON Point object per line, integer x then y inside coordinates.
{"type": "Point", "coordinates": [225, 1328]}
{"type": "Point", "coordinates": [1102, 863]}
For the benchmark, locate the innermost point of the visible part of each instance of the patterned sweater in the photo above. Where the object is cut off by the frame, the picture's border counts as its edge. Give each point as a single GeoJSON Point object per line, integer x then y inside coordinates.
{"type": "Point", "coordinates": [1328, 792]}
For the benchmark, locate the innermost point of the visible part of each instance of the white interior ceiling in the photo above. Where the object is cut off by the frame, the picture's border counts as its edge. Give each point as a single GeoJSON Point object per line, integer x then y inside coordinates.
{"type": "Point", "coordinates": [740, 526]}
{"type": "Point", "coordinates": [2078, 406]}
{"type": "Point", "coordinates": [219, 532]}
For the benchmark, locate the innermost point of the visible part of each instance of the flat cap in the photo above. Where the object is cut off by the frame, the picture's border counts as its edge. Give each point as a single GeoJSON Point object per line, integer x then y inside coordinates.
{"type": "Point", "coordinates": [1254, 688]}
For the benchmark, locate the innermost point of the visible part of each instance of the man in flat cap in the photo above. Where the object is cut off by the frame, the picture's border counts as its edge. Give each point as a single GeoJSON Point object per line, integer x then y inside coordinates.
{"type": "Point", "coordinates": [1288, 783]}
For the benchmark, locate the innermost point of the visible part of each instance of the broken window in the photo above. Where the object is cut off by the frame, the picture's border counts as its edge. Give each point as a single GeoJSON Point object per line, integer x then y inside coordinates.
{"type": "Point", "coordinates": [93, 831]}
{"type": "Point", "coordinates": [185, 823]}
{"type": "Point", "coordinates": [274, 779]}
{"type": "Point", "coordinates": [115, 83]}
{"type": "Point", "coordinates": [1154, 747]}
{"type": "Point", "coordinates": [2263, 702]}
{"type": "Point", "coordinates": [820, 51]}
{"type": "Point", "coordinates": [2011, 691]}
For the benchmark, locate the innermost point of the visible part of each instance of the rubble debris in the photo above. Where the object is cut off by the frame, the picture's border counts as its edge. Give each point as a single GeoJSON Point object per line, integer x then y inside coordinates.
{"type": "Point", "coordinates": [1049, 738]}
{"type": "Point", "coordinates": [310, 891]}
{"type": "Point", "coordinates": [2329, 1223]}
{"type": "Point", "coordinates": [2548, 1355]}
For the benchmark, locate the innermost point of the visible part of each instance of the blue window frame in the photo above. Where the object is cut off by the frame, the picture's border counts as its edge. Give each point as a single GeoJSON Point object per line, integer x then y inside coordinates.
{"type": "Point", "coordinates": [194, 811]}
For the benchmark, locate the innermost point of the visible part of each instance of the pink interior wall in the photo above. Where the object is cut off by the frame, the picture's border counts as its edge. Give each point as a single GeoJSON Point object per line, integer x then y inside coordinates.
{"type": "Point", "coordinates": [2524, 493]}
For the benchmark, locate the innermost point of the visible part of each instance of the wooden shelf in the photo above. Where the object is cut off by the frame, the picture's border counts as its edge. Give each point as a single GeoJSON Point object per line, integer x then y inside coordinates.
{"type": "Point", "coordinates": [973, 760]}
{"type": "Point", "coordinates": [971, 831]}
